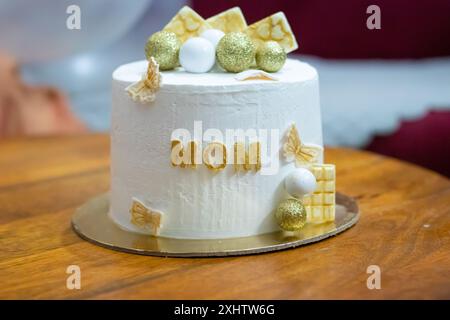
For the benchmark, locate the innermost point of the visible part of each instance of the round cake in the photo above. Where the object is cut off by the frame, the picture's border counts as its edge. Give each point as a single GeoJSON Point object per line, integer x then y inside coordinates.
{"type": "Point", "coordinates": [200, 203]}
{"type": "Point", "coordinates": [217, 134]}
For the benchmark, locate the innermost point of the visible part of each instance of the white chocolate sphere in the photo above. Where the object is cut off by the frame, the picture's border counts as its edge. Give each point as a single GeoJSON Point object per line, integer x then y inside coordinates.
{"type": "Point", "coordinates": [197, 55]}
{"type": "Point", "coordinates": [213, 36]}
{"type": "Point", "coordinates": [300, 182]}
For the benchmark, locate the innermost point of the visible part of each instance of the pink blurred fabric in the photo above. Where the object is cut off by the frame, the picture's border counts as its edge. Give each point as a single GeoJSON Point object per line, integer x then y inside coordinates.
{"type": "Point", "coordinates": [32, 110]}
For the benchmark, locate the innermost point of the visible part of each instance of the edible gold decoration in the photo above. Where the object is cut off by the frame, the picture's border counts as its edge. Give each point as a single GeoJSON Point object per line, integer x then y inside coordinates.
{"type": "Point", "coordinates": [320, 205]}
{"type": "Point", "coordinates": [146, 218]}
{"type": "Point", "coordinates": [238, 49]}
{"type": "Point", "coordinates": [320, 214]}
{"type": "Point", "coordinates": [231, 20]}
{"type": "Point", "coordinates": [215, 156]}
{"type": "Point", "coordinates": [295, 150]}
{"type": "Point", "coordinates": [291, 215]}
{"type": "Point", "coordinates": [244, 160]}
{"type": "Point", "coordinates": [270, 56]}
{"type": "Point", "coordinates": [255, 75]}
{"type": "Point", "coordinates": [235, 52]}
{"type": "Point", "coordinates": [181, 157]}
{"type": "Point", "coordinates": [164, 47]}
{"type": "Point", "coordinates": [275, 28]}
{"type": "Point", "coordinates": [186, 24]}
{"type": "Point", "coordinates": [144, 91]}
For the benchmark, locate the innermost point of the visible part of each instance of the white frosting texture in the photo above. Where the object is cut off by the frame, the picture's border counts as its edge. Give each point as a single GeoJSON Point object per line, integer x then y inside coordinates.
{"type": "Point", "coordinates": [201, 203]}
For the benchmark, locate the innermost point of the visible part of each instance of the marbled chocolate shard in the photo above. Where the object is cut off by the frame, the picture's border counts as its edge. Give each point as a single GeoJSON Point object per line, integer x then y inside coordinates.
{"type": "Point", "coordinates": [186, 24]}
{"type": "Point", "coordinates": [231, 20]}
{"type": "Point", "coordinates": [275, 28]}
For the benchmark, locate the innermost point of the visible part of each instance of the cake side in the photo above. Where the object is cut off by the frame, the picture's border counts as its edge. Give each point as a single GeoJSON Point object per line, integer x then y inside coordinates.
{"type": "Point", "coordinates": [198, 202]}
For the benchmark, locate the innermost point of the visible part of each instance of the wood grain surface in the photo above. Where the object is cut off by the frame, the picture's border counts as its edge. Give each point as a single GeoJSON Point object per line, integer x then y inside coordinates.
{"type": "Point", "coordinates": [404, 229]}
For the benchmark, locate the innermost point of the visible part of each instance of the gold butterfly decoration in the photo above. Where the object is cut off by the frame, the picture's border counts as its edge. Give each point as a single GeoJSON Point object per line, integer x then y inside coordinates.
{"type": "Point", "coordinates": [295, 150]}
{"type": "Point", "coordinates": [144, 90]}
{"type": "Point", "coordinates": [146, 218]}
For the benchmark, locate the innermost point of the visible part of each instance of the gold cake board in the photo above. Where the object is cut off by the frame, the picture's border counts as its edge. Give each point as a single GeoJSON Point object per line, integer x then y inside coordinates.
{"type": "Point", "coordinates": [92, 223]}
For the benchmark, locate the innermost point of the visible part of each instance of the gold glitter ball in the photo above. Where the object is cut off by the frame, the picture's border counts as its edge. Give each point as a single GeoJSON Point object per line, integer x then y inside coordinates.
{"type": "Point", "coordinates": [235, 52]}
{"type": "Point", "coordinates": [270, 56]}
{"type": "Point", "coordinates": [291, 215]}
{"type": "Point", "coordinates": [164, 46]}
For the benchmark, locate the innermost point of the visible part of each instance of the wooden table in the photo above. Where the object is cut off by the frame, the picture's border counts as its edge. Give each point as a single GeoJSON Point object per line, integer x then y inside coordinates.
{"type": "Point", "coordinates": [404, 229]}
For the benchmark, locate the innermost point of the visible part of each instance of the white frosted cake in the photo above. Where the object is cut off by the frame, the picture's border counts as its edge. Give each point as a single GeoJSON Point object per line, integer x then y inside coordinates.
{"type": "Point", "coordinates": [215, 154]}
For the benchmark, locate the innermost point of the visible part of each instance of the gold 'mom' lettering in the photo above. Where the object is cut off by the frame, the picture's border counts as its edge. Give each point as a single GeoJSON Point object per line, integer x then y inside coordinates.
{"type": "Point", "coordinates": [184, 158]}
{"type": "Point", "coordinates": [247, 160]}
{"type": "Point", "coordinates": [215, 156]}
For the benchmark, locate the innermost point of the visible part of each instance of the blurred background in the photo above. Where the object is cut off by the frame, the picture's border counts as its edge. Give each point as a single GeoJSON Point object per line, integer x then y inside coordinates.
{"type": "Point", "coordinates": [385, 90]}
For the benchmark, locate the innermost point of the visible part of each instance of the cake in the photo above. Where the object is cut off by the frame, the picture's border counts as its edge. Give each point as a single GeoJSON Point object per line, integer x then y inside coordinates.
{"type": "Point", "coordinates": [217, 154]}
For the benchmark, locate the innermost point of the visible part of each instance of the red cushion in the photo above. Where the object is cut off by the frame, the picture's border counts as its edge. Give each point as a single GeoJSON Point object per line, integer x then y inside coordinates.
{"type": "Point", "coordinates": [425, 141]}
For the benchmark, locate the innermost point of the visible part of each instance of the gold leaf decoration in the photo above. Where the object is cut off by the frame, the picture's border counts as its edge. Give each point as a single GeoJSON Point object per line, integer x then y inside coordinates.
{"type": "Point", "coordinates": [145, 218]}
{"type": "Point", "coordinates": [144, 91]}
{"type": "Point", "coordinates": [295, 150]}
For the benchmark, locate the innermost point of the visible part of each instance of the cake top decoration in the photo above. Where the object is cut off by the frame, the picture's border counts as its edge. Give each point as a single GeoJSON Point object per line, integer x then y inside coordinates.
{"type": "Point", "coordinates": [164, 46]}
{"type": "Point", "coordinates": [235, 52]}
{"type": "Point", "coordinates": [144, 90]}
{"type": "Point", "coordinates": [255, 75]}
{"type": "Point", "coordinates": [270, 56]}
{"type": "Point", "coordinates": [238, 47]}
